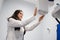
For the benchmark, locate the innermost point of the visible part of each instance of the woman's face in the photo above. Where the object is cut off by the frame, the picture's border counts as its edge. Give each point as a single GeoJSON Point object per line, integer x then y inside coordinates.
{"type": "Point", "coordinates": [20, 15]}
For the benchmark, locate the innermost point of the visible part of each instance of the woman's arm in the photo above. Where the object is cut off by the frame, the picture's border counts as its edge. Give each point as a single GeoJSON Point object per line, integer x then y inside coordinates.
{"type": "Point", "coordinates": [27, 28]}
{"type": "Point", "coordinates": [16, 23]}
{"type": "Point", "coordinates": [24, 23]}
{"type": "Point", "coordinates": [34, 25]}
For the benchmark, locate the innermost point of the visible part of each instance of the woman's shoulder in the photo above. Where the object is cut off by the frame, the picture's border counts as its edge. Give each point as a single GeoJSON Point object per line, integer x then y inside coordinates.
{"type": "Point", "coordinates": [11, 19]}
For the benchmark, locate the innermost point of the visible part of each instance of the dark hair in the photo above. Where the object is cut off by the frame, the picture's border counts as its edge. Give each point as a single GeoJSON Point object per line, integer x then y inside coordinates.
{"type": "Point", "coordinates": [15, 15]}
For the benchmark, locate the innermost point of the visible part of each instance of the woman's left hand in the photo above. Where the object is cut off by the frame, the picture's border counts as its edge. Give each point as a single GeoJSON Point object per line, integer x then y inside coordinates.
{"type": "Point", "coordinates": [41, 17]}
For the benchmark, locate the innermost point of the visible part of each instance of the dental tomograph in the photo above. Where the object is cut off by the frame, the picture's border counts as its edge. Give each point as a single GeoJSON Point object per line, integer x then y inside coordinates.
{"type": "Point", "coordinates": [56, 14]}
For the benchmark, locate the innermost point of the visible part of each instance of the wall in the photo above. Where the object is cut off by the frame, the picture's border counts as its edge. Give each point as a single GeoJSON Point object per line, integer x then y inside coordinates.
{"type": "Point", "coordinates": [1, 2]}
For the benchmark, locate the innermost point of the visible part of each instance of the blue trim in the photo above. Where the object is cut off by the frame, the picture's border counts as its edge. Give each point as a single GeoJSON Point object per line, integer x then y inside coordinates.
{"type": "Point", "coordinates": [58, 31]}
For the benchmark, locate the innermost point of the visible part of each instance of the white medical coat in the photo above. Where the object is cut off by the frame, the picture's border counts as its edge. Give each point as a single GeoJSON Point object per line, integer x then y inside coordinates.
{"type": "Point", "coordinates": [18, 35]}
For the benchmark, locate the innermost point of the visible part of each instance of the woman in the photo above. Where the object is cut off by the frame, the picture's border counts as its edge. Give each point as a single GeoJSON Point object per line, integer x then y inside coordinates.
{"type": "Point", "coordinates": [16, 27]}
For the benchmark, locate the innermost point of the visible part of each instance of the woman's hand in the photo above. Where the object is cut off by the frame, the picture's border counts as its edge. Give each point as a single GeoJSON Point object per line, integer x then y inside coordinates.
{"type": "Point", "coordinates": [35, 11]}
{"type": "Point", "coordinates": [41, 17]}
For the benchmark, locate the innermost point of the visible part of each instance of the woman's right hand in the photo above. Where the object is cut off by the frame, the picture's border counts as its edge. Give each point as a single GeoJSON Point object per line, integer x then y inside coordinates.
{"type": "Point", "coordinates": [41, 17]}
{"type": "Point", "coordinates": [35, 11]}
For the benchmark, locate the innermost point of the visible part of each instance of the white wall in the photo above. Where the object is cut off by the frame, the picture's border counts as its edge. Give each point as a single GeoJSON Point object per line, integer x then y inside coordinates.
{"type": "Point", "coordinates": [1, 2]}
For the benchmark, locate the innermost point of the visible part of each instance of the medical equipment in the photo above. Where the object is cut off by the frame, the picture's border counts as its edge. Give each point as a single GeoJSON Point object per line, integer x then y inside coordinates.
{"type": "Point", "coordinates": [56, 14]}
{"type": "Point", "coordinates": [56, 11]}
{"type": "Point", "coordinates": [42, 8]}
{"type": "Point", "coordinates": [58, 29]}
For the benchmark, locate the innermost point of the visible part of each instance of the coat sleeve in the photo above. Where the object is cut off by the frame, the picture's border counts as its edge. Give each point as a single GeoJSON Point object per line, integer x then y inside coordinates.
{"type": "Point", "coordinates": [16, 23]}
{"type": "Point", "coordinates": [30, 28]}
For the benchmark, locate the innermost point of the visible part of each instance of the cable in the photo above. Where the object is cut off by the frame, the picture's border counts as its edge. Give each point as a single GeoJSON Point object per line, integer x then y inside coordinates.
{"type": "Point", "coordinates": [57, 20]}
